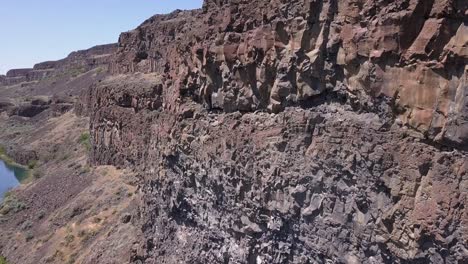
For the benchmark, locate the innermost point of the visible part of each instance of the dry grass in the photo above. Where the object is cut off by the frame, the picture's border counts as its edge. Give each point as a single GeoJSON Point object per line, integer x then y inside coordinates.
{"type": "Point", "coordinates": [104, 203]}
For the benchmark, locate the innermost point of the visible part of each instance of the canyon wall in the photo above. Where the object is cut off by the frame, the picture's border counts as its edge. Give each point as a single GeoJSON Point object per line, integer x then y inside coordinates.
{"type": "Point", "coordinates": [293, 131]}
{"type": "Point", "coordinates": [285, 53]}
{"type": "Point", "coordinates": [76, 63]}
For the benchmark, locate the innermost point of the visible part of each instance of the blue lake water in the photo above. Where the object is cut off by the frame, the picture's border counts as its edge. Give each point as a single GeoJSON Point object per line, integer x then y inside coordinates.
{"type": "Point", "coordinates": [10, 177]}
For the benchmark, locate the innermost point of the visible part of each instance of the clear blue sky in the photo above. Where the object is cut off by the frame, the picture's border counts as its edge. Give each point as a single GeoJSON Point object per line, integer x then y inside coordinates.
{"type": "Point", "coordinates": [33, 31]}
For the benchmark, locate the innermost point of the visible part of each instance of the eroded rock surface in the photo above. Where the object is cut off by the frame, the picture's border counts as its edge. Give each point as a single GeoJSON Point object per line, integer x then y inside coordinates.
{"type": "Point", "coordinates": [237, 55]}
{"type": "Point", "coordinates": [299, 131]}
{"type": "Point", "coordinates": [76, 63]}
{"type": "Point", "coordinates": [293, 131]}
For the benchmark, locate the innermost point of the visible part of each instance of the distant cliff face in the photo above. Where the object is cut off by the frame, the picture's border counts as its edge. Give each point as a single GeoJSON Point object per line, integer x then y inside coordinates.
{"type": "Point", "coordinates": [294, 131]}
{"type": "Point", "coordinates": [77, 62]}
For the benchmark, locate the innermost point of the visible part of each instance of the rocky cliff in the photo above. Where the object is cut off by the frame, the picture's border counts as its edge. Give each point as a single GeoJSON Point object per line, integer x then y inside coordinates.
{"type": "Point", "coordinates": [300, 131]}
{"type": "Point", "coordinates": [77, 62]}
{"type": "Point", "coordinates": [336, 176]}
{"type": "Point", "coordinates": [234, 55]}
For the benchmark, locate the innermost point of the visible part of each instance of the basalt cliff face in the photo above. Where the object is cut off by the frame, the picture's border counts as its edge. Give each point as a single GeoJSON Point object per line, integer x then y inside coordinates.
{"type": "Point", "coordinates": [248, 132]}
{"type": "Point", "coordinates": [293, 131]}
{"type": "Point", "coordinates": [77, 62]}
{"type": "Point", "coordinates": [238, 55]}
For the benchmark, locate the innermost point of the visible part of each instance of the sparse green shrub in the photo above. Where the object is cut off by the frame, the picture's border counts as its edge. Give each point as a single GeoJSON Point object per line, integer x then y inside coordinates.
{"type": "Point", "coordinates": [26, 225]}
{"type": "Point", "coordinates": [84, 137]}
{"type": "Point", "coordinates": [38, 174]}
{"type": "Point", "coordinates": [11, 204]}
{"type": "Point", "coordinates": [72, 258]}
{"type": "Point", "coordinates": [86, 169]}
{"type": "Point", "coordinates": [2, 150]}
{"type": "Point", "coordinates": [85, 141]}
{"type": "Point", "coordinates": [82, 233]}
{"type": "Point", "coordinates": [99, 70]}
{"type": "Point", "coordinates": [57, 256]}
{"type": "Point", "coordinates": [75, 72]}
{"type": "Point", "coordinates": [41, 215]}
{"type": "Point", "coordinates": [4, 155]}
{"type": "Point", "coordinates": [3, 260]}
{"type": "Point", "coordinates": [69, 239]}
{"type": "Point", "coordinates": [88, 235]}
{"type": "Point", "coordinates": [29, 236]}
{"type": "Point", "coordinates": [32, 164]}
{"type": "Point", "coordinates": [121, 192]}
{"type": "Point", "coordinates": [7, 194]}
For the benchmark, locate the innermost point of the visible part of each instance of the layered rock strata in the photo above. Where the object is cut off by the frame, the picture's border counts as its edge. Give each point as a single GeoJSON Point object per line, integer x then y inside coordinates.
{"type": "Point", "coordinates": [293, 131]}
{"type": "Point", "coordinates": [77, 62]}
{"type": "Point", "coordinates": [235, 55]}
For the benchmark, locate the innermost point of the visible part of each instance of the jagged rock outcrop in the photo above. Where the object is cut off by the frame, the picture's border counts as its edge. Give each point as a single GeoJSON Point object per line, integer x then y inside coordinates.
{"type": "Point", "coordinates": [303, 186]}
{"type": "Point", "coordinates": [77, 62]}
{"type": "Point", "coordinates": [38, 105]}
{"type": "Point", "coordinates": [282, 53]}
{"type": "Point", "coordinates": [293, 131]}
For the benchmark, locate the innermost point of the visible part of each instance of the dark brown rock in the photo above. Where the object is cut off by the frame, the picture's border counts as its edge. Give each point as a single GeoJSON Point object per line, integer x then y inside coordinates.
{"type": "Point", "coordinates": [350, 147]}
{"type": "Point", "coordinates": [235, 57]}
{"type": "Point", "coordinates": [28, 110]}
{"type": "Point", "coordinates": [279, 131]}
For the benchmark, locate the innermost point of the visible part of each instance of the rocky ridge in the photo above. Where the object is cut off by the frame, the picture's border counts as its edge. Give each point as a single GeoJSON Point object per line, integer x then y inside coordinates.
{"type": "Point", "coordinates": [77, 62]}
